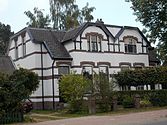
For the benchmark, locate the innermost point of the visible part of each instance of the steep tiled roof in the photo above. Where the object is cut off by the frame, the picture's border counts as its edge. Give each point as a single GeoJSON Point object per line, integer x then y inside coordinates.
{"type": "Point", "coordinates": [52, 40]}
{"type": "Point", "coordinates": [6, 65]}
{"type": "Point", "coordinates": [73, 33]}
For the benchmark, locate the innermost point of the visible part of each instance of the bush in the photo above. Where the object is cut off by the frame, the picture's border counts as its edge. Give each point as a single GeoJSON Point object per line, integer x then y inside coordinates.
{"type": "Point", "coordinates": [73, 87]}
{"type": "Point", "coordinates": [15, 89]}
{"type": "Point", "coordinates": [149, 76]}
{"type": "Point", "coordinates": [145, 103]}
{"type": "Point", "coordinates": [148, 97]}
{"type": "Point", "coordinates": [128, 102]}
{"type": "Point", "coordinates": [159, 98]}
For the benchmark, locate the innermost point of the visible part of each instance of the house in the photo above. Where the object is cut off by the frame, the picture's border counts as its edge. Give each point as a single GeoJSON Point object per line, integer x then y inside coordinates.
{"type": "Point", "coordinates": [90, 46]}
{"type": "Point", "coordinates": [6, 65]}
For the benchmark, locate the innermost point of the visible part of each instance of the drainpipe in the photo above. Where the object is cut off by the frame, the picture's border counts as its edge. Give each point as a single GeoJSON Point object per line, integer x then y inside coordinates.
{"type": "Point", "coordinates": [43, 107]}
{"type": "Point", "coordinates": [53, 89]}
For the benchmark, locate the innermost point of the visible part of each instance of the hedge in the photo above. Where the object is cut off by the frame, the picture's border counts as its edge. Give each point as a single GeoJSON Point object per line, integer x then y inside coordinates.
{"type": "Point", "coordinates": [156, 97]}
{"type": "Point", "coordinates": [151, 76]}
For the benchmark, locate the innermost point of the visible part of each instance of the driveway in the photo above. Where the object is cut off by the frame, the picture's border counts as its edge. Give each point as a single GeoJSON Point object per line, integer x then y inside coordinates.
{"type": "Point", "coordinates": [143, 118]}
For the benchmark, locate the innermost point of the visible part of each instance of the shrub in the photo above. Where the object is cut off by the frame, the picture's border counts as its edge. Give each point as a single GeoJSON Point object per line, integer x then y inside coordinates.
{"type": "Point", "coordinates": [145, 103]}
{"type": "Point", "coordinates": [128, 102]}
{"type": "Point", "coordinates": [159, 98]}
{"type": "Point", "coordinates": [155, 97]}
{"type": "Point", "coordinates": [150, 76]}
{"type": "Point", "coordinates": [73, 87]}
{"type": "Point", "coordinates": [15, 89]}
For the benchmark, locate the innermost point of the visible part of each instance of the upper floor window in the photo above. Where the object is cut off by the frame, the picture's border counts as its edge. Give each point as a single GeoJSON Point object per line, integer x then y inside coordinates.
{"type": "Point", "coordinates": [16, 50]}
{"type": "Point", "coordinates": [23, 46]}
{"type": "Point", "coordinates": [130, 45]}
{"type": "Point", "coordinates": [94, 43]}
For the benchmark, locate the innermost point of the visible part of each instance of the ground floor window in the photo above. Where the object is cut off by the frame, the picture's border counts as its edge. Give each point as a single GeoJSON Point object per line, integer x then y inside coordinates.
{"type": "Point", "coordinates": [62, 70]}
{"type": "Point", "coordinates": [87, 71]}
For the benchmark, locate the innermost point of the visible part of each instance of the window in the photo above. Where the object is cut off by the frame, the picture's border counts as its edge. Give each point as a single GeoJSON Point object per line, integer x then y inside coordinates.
{"type": "Point", "coordinates": [16, 50]}
{"type": "Point", "coordinates": [130, 45]}
{"type": "Point", "coordinates": [63, 70]}
{"type": "Point", "coordinates": [94, 43]}
{"type": "Point", "coordinates": [141, 87]}
{"type": "Point", "coordinates": [23, 46]}
{"type": "Point", "coordinates": [87, 71]}
{"type": "Point", "coordinates": [125, 67]}
{"type": "Point", "coordinates": [138, 67]}
{"type": "Point", "coordinates": [103, 69]}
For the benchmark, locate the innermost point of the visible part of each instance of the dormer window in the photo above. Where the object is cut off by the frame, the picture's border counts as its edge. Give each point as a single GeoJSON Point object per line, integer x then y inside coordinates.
{"type": "Point", "coordinates": [94, 43]}
{"type": "Point", "coordinates": [130, 45]}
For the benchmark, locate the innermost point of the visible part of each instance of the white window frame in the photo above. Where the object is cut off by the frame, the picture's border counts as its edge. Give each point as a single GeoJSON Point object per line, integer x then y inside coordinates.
{"type": "Point", "coordinates": [97, 42]}
{"type": "Point", "coordinates": [63, 66]}
{"type": "Point", "coordinates": [130, 42]}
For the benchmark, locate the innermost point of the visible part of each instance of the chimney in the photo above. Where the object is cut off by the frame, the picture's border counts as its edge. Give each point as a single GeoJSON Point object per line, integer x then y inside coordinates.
{"type": "Point", "coordinates": [100, 21]}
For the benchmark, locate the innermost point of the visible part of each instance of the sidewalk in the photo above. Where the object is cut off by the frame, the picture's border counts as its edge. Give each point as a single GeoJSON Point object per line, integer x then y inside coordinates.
{"type": "Point", "coordinates": [127, 119]}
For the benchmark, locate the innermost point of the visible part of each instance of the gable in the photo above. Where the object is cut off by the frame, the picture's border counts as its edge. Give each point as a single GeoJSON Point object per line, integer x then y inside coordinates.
{"type": "Point", "coordinates": [132, 32]}
{"type": "Point", "coordinates": [74, 33]}
{"type": "Point", "coordinates": [93, 30]}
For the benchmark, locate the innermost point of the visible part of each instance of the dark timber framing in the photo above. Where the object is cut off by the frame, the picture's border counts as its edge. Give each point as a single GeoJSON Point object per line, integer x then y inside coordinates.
{"type": "Point", "coordinates": [43, 106]}
{"type": "Point", "coordinates": [53, 84]}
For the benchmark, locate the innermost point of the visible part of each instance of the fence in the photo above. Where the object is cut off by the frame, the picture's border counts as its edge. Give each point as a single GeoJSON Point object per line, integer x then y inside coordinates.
{"type": "Point", "coordinates": [11, 118]}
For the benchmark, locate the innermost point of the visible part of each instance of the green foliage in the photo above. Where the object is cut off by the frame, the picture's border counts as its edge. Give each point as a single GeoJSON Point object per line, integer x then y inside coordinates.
{"type": "Point", "coordinates": [152, 14]}
{"type": "Point", "coordinates": [37, 19]}
{"type": "Point", "coordinates": [151, 76]}
{"type": "Point", "coordinates": [5, 33]}
{"type": "Point", "coordinates": [159, 98]}
{"type": "Point", "coordinates": [16, 88]}
{"type": "Point", "coordinates": [102, 87]}
{"type": "Point", "coordinates": [72, 87]}
{"type": "Point", "coordinates": [149, 97]}
{"type": "Point", "coordinates": [127, 102]}
{"type": "Point", "coordinates": [145, 103]}
{"type": "Point", "coordinates": [65, 14]}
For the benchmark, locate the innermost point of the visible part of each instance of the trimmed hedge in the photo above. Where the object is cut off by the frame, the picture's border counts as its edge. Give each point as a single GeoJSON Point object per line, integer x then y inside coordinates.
{"type": "Point", "coordinates": [156, 97]}
{"type": "Point", "coordinates": [151, 76]}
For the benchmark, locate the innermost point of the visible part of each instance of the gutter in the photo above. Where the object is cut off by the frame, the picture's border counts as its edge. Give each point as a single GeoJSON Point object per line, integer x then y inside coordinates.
{"type": "Point", "coordinates": [53, 89]}
{"type": "Point", "coordinates": [43, 106]}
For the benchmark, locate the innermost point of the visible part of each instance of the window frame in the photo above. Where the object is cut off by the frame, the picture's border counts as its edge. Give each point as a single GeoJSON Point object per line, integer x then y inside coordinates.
{"type": "Point", "coordinates": [16, 50]}
{"type": "Point", "coordinates": [94, 42]}
{"type": "Point", "coordinates": [23, 46]}
{"type": "Point", "coordinates": [63, 66]}
{"type": "Point", "coordinates": [130, 45]}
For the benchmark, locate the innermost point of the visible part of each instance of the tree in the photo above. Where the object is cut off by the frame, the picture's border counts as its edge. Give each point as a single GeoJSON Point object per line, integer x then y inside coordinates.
{"type": "Point", "coordinates": [37, 19]}
{"type": "Point", "coordinates": [151, 76]}
{"type": "Point", "coordinates": [152, 14]}
{"type": "Point", "coordinates": [86, 13]}
{"type": "Point", "coordinates": [65, 14]}
{"type": "Point", "coordinates": [73, 87]}
{"type": "Point", "coordinates": [16, 88]}
{"type": "Point", "coordinates": [5, 33]}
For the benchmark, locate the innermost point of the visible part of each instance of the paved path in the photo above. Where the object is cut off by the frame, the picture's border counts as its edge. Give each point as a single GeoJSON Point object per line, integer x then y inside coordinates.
{"type": "Point", "coordinates": [142, 118]}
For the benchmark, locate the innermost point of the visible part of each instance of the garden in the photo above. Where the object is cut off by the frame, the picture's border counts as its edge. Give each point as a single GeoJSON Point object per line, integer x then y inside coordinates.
{"type": "Point", "coordinates": [93, 94]}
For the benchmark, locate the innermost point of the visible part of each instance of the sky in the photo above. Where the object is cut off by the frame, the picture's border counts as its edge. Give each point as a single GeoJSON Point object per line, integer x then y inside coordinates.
{"type": "Point", "coordinates": [113, 12]}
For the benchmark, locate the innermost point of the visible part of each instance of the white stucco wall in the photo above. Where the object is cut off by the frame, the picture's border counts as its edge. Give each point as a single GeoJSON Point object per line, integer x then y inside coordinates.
{"type": "Point", "coordinates": [114, 30]}
{"type": "Point", "coordinates": [34, 61]}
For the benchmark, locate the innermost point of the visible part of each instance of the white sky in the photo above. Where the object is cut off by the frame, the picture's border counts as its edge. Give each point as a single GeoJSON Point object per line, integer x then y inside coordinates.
{"type": "Point", "coordinates": [114, 12]}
